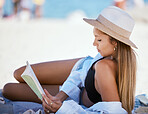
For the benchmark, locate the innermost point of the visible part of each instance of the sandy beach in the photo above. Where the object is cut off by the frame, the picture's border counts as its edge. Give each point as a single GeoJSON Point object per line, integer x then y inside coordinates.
{"type": "Point", "coordinates": [56, 39]}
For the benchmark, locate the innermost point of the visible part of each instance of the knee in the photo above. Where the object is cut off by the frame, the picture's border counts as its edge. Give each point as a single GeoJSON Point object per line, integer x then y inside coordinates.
{"type": "Point", "coordinates": [7, 89]}
{"type": "Point", "coordinates": [17, 74]}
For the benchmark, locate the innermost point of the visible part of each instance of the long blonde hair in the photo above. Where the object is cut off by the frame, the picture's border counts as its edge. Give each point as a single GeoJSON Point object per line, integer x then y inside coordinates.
{"type": "Point", "coordinates": [126, 75]}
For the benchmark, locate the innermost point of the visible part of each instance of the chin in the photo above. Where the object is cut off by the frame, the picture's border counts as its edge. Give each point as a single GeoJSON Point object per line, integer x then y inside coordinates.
{"type": "Point", "coordinates": [101, 54]}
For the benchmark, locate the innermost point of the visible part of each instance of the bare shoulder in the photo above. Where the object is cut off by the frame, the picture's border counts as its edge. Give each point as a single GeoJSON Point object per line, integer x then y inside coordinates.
{"type": "Point", "coordinates": [106, 65]}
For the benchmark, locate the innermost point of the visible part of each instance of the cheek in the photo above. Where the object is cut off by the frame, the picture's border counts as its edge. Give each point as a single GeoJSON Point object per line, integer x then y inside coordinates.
{"type": "Point", "coordinates": [103, 46]}
{"type": "Point", "coordinates": [107, 49]}
{"type": "Point", "coordinates": [110, 49]}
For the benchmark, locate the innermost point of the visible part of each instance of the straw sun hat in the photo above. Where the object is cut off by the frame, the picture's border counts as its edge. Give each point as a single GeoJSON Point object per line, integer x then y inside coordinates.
{"type": "Point", "coordinates": [116, 23]}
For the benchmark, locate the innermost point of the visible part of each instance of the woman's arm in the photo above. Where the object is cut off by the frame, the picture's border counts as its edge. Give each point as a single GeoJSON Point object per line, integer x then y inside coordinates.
{"type": "Point", "coordinates": [54, 72]}
{"type": "Point", "coordinates": [70, 106]}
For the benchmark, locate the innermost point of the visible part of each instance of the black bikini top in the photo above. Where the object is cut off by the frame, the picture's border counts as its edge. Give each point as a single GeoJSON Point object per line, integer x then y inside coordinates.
{"type": "Point", "coordinates": [92, 93]}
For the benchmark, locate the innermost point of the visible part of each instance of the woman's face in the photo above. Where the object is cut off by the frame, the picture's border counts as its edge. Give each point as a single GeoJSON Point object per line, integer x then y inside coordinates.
{"type": "Point", "coordinates": [103, 43]}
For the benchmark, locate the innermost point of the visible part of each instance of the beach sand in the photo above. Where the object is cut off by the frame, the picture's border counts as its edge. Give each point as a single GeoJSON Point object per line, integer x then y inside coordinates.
{"type": "Point", "coordinates": [56, 39]}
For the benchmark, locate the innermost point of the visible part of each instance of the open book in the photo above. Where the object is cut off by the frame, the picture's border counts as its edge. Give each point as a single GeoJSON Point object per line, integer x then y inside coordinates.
{"type": "Point", "coordinates": [30, 78]}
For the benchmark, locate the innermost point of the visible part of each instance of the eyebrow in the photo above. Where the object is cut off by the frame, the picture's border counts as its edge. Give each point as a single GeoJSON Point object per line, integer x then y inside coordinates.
{"type": "Point", "coordinates": [96, 35]}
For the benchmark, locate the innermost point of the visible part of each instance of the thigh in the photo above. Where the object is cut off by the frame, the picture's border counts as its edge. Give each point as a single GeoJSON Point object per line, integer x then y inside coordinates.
{"type": "Point", "coordinates": [53, 72]}
{"type": "Point", "coordinates": [22, 92]}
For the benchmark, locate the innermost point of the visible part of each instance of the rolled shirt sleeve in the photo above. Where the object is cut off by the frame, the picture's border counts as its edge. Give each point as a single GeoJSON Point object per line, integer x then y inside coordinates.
{"type": "Point", "coordinates": [71, 86]}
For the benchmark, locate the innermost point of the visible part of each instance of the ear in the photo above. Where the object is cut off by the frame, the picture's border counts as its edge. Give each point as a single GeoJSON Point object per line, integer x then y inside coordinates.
{"type": "Point", "coordinates": [114, 42]}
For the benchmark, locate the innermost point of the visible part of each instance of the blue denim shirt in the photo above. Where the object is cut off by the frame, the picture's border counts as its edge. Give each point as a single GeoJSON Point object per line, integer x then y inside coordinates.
{"type": "Point", "coordinates": [72, 87]}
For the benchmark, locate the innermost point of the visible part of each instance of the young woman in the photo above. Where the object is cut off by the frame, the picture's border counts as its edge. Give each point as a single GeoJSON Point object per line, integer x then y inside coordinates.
{"type": "Point", "coordinates": [105, 83]}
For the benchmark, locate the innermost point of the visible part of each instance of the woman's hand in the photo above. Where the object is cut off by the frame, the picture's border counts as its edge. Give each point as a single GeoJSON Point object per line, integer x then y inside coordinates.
{"type": "Point", "coordinates": [50, 103]}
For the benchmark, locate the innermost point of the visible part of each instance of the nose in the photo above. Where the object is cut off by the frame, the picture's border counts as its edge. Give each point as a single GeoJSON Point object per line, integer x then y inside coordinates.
{"type": "Point", "coordinates": [94, 43]}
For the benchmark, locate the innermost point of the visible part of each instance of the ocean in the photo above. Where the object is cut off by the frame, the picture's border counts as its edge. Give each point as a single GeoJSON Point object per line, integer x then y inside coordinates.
{"type": "Point", "coordinates": [63, 8]}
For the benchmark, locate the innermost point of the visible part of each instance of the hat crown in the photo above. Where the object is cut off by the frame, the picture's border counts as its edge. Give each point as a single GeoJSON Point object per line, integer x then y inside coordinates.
{"type": "Point", "coordinates": [118, 17]}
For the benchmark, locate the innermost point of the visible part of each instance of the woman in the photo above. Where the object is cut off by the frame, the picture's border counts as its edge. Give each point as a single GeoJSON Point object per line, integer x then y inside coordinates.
{"type": "Point", "coordinates": [16, 4]}
{"type": "Point", "coordinates": [1, 8]}
{"type": "Point", "coordinates": [38, 8]}
{"type": "Point", "coordinates": [105, 83]}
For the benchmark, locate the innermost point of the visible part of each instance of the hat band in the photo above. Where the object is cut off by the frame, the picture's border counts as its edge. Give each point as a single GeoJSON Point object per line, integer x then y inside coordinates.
{"type": "Point", "coordinates": [118, 30]}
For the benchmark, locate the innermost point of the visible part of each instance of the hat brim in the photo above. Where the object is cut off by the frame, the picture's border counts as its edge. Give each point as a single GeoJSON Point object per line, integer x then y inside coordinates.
{"type": "Point", "coordinates": [108, 31]}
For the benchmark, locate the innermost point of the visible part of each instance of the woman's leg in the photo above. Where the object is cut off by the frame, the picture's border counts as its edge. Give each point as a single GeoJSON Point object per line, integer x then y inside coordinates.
{"type": "Point", "coordinates": [50, 75]}
{"type": "Point", "coordinates": [22, 92]}
{"type": "Point", "coordinates": [54, 72]}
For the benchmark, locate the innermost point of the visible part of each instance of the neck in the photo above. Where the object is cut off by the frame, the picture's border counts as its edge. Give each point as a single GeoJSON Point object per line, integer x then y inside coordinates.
{"type": "Point", "coordinates": [108, 57]}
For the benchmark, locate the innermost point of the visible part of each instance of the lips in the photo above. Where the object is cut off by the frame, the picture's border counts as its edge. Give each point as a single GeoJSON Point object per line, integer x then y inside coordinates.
{"type": "Point", "coordinates": [98, 50]}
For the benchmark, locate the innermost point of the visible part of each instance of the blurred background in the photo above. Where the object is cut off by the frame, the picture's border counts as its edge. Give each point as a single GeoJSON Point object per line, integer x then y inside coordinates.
{"type": "Point", "coordinates": [61, 8]}
{"type": "Point", "coordinates": [47, 30]}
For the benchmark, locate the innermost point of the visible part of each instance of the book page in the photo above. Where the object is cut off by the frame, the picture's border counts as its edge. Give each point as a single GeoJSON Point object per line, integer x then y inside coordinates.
{"type": "Point", "coordinates": [30, 78]}
{"type": "Point", "coordinates": [32, 85]}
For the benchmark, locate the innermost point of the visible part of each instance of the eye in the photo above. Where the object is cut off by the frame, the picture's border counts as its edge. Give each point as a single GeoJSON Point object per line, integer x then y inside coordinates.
{"type": "Point", "coordinates": [99, 40]}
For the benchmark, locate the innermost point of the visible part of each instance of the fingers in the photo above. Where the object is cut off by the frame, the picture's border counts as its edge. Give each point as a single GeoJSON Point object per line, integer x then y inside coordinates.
{"type": "Point", "coordinates": [47, 111]}
{"type": "Point", "coordinates": [49, 96]}
{"type": "Point", "coordinates": [46, 99]}
{"type": "Point", "coordinates": [46, 92]}
{"type": "Point", "coordinates": [46, 108]}
{"type": "Point", "coordinates": [50, 102]}
{"type": "Point", "coordinates": [50, 105]}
